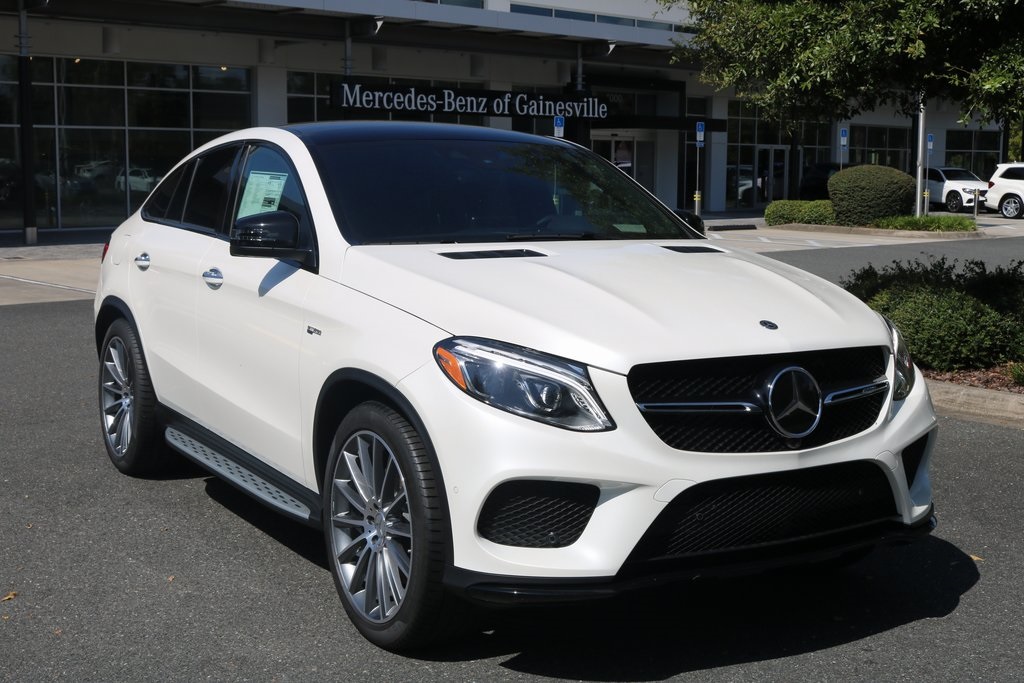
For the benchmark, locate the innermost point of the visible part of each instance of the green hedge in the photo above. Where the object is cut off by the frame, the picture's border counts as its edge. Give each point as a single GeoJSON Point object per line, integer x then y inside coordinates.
{"type": "Point", "coordinates": [782, 211]}
{"type": "Point", "coordinates": [863, 194]}
{"type": "Point", "coordinates": [947, 329]}
{"type": "Point", "coordinates": [952, 316]}
{"type": "Point", "coordinates": [928, 223]}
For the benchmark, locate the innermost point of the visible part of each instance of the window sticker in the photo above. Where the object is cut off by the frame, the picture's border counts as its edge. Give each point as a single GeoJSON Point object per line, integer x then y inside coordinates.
{"type": "Point", "coordinates": [638, 228]}
{"type": "Point", "coordinates": [263, 192]}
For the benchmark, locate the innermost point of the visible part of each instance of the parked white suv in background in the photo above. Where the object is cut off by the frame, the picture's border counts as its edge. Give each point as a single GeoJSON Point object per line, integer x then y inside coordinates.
{"type": "Point", "coordinates": [954, 188]}
{"type": "Point", "coordinates": [491, 367]}
{"type": "Point", "coordinates": [1006, 190]}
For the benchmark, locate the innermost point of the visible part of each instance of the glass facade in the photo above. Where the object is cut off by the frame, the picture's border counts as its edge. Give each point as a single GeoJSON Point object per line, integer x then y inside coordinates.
{"type": "Point", "coordinates": [107, 130]}
{"type": "Point", "coordinates": [975, 150]}
{"type": "Point", "coordinates": [881, 146]}
{"type": "Point", "coordinates": [757, 157]}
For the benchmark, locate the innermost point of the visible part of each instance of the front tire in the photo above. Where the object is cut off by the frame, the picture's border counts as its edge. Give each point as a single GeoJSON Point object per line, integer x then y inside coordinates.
{"type": "Point", "coordinates": [954, 202]}
{"type": "Point", "coordinates": [1010, 206]}
{"type": "Point", "coordinates": [131, 430]}
{"type": "Point", "coordinates": [384, 530]}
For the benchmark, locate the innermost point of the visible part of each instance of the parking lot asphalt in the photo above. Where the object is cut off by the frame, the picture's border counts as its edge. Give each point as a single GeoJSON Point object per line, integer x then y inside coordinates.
{"type": "Point", "coordinates": [68, 272]}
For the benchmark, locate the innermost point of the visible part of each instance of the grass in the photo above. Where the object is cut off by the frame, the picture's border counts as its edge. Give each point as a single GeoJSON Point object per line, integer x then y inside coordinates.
{"type": "Point", "coordinates": [927, 223]}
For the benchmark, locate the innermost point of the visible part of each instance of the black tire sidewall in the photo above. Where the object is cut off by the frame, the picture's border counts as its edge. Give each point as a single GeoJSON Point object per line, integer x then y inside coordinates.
{"type": "Point", "coordinates": [954, 204]}
{"type": "Point", "coordinates": [412, 625]}
{"type": "Point", "coordinates": [144, 454]}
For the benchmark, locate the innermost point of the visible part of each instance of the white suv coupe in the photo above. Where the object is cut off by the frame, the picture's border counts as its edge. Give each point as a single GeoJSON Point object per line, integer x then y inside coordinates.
{"type": "Point", "coordinates": [492, 368]}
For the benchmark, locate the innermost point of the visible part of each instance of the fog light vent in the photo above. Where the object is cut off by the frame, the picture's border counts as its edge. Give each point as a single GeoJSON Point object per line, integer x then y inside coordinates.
{"type": "Point", "coordinates": [537, 514]}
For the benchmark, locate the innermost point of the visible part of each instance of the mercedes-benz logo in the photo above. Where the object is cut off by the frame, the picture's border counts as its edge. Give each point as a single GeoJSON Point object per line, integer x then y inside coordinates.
{"type": "Point", "coordinates": [794, 402]}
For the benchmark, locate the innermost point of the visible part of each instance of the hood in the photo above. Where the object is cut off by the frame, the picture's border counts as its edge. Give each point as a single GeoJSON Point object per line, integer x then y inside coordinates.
{"type": "Point", "coordinates": [614, 304]}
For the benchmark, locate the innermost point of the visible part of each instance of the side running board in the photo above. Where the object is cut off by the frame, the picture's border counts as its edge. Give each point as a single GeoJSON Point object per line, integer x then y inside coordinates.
{"type": "Point", "coordinates": [240, 476]}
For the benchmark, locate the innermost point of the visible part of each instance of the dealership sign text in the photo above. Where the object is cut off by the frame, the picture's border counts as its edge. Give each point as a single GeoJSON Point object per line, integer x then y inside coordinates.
{"type": "Point", "coordinates": [450, 101]}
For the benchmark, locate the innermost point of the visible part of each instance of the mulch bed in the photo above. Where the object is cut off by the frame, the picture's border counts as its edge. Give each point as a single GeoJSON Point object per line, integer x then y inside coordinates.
{"type": "Point", "coordinates": [991, 378]}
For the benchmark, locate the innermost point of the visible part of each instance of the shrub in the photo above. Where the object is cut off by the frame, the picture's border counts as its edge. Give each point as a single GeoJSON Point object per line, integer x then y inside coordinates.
{"type": "Point", "coordinates": [1002, 288]}
{"type": "Point", "coordinates": [929, 223]}
{"type": "Point", "coordinates": [783, 211]}
{"type": "Point", "coordinates": [1016, 371]}
{"type": "Point", "coordinates": [818, 212]}
{"type": "Point", "coordinates": [947, 329]}
{"type": "Point", "coordinates": [863, 194]}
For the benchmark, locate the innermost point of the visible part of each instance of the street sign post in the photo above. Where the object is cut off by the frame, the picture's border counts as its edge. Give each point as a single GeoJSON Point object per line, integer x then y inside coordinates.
{"type": "Point", "coordinates": [559, 126]}
{"type": "Point", "coordinates": [844, 143]}
{"type": "Point", "coordinates": [927, 163]}
{"type": "Point", "coordinates": [700, 144]}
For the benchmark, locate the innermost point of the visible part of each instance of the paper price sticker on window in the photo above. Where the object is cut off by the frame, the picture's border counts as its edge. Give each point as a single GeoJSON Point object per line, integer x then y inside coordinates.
{"type": "Point", "coordinates": [262, 193]}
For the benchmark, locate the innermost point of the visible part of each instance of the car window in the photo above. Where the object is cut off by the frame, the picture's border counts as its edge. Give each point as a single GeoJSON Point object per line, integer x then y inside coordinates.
{"type": "Point", "coordinates": [484, 191]}
{"type": "Point", "coordinates": [269, 182]}
{"type": "Point", "coordinates": [959, 174]}
{"type": "Point", "coordinates": [209, 194]}
{"type": "Point", "coordinates": [162, 205]}
{"type": "Point", "coordinates": [1014, 173]}
{"type": "Point", "coordinates": [933, 174]}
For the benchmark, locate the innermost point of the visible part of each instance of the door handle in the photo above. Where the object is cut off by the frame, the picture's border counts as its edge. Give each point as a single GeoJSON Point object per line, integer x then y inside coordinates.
{"type": "Point", "coordinates": [142, 261]}
{"type": "Point", "coordinates": [213, 278]}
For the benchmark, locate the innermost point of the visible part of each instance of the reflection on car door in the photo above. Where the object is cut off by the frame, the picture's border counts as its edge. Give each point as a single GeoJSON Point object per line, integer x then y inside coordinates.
{"type": "Point", "coordinates": [250, 326]}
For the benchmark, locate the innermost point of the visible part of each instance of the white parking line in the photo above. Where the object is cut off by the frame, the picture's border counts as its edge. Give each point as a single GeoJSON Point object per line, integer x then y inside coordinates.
{"type": "Point", "coordinates": [47, 284]}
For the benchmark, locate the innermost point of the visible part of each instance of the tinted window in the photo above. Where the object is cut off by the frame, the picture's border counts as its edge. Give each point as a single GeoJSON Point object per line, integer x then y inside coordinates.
{"type": "Point", "coordinates": [959, 174]}
{"type": "Point", "coordinates": [1014, 173]}
{"type": "Point", "coordinates": [211, 188]}
{"type": "Point", "coordinates": [157, 205]}
{"type": "Point", "coordinates": [484, 191]}
{"type": "Point", "coordinates": [269, 183]}
{"type": "Point", "coordinates": [934, 175]}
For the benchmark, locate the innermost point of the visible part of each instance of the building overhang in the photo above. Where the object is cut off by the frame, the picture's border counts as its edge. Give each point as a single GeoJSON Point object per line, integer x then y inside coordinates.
{"type": "Point", "coordinates": [406, 23]}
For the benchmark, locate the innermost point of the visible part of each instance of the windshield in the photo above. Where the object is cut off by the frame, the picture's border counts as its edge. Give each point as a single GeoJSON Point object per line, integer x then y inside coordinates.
{"type": "Point", "coordinates": [959, 174]}
{"type": "Point", "coordinates": [395, 191]}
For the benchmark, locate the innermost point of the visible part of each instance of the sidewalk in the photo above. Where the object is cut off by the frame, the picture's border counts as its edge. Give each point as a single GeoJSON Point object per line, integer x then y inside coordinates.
{"type": "Point", "coordinates": [68, 271]}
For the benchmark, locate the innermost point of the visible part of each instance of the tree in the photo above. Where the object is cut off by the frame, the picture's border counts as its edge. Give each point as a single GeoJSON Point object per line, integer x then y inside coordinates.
{"type": "Point", "coordinates": [822, 60]}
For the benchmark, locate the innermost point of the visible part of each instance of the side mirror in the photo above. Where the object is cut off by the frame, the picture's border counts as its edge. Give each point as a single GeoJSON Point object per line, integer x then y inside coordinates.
{"type": "Point", "coordinates": [274, 234]}
{"type": "Point", "coordinates": [692, 220]}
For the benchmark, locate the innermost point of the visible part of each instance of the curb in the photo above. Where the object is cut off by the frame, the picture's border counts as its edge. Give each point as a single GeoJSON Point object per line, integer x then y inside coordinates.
{"type": "Point", "coordinates": [1003, 408]}
{"type": "Point", "coordinates": [879, 232]}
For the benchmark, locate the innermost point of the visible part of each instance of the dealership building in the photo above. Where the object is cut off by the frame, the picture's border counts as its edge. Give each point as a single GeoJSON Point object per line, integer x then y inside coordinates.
{"type": "Point", "coordinates": [120, 90]}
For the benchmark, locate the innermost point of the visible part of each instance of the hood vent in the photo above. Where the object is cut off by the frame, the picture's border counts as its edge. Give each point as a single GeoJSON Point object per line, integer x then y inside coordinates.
{"type": "Point", "coordinates": [493, 253]}
{"type": "Point", "coordinates": [694, 250]}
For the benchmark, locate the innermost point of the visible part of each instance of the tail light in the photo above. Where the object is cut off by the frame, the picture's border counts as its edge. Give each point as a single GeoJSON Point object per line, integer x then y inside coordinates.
{"type": "Point", "coordinates": [990, 184]}
{"type": "Point", "coordinates": [106, 246]}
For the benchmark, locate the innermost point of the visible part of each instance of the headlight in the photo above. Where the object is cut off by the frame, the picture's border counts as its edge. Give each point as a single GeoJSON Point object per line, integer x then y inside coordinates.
{"type": "Point", "coordinates": [903, 381]}
{"type": "Point", "coordinates": [524, 382]}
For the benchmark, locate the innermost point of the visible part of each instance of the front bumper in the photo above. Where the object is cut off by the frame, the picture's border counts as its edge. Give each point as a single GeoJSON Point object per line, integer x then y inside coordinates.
{"type": "Point", "coordinates": [488, 589]}
{"type": "Point", "coordinates": [636, 477]}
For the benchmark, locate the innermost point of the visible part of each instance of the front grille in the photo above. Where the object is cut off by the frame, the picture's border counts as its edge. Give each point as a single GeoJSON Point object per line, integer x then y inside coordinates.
{"type": "Point", "coordinates": [741, 381]}
{"type": "Point", "coordinates": [537, 514]}
{"type": "Point", "coordinates": [755, 511]}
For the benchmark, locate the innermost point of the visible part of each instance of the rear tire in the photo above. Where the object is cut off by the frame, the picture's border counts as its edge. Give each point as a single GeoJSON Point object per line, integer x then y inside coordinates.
{"type": "Point", "coordinates": [385, 531]}
{"type": "Point", "coordinates": [131, 431]}
{"type": "Point", "coordinates": [1010, 206]}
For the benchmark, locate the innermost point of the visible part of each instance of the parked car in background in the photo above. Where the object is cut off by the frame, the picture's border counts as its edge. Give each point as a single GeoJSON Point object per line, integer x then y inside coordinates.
{"type": "Point", "coordinates": [1006, 190]}
{"type": "Point", "coordinates": [492, 367]}
{"type": "Point", "coordinates": [139, 180]}
{"type": "Point", "coordinates": [954, 188]}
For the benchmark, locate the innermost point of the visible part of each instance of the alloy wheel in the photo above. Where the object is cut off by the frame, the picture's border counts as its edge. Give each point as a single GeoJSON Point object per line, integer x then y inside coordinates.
{"type": "Point", "coordinates": [371, 527]}
{"type": "Point", "coordinates": [118, 396]}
